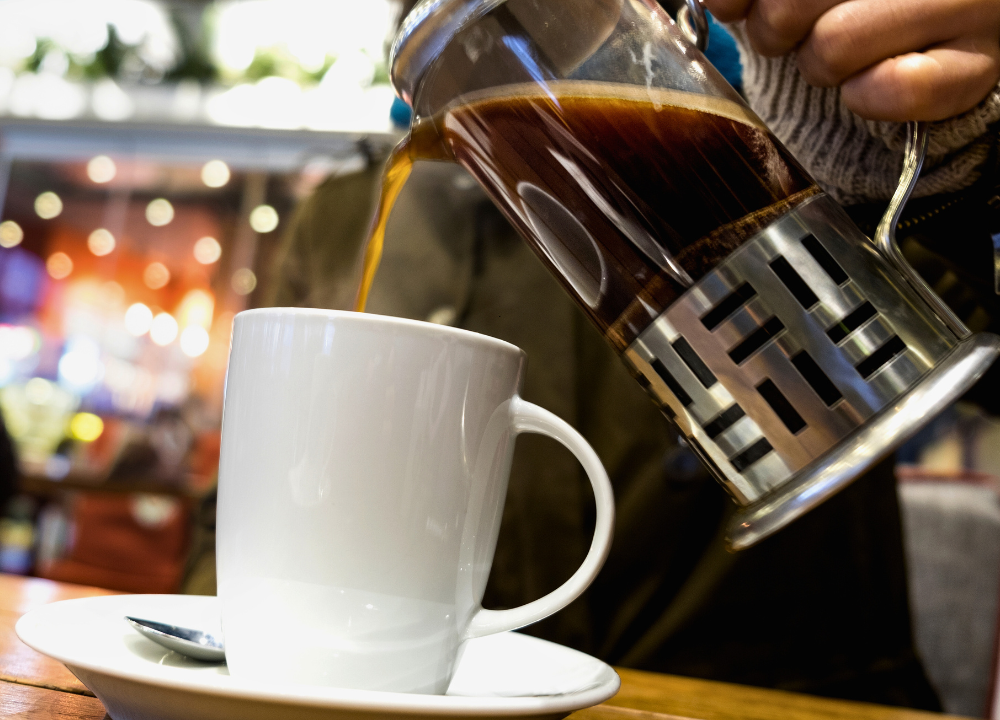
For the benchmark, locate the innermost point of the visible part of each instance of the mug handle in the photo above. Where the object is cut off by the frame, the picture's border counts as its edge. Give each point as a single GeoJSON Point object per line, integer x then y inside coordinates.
{"type": "Point", "coordinates": [528, 417]}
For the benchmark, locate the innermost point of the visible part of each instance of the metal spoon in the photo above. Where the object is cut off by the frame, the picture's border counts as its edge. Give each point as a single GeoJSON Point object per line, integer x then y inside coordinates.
{"type": "Point", "coordinates": [192, 643]}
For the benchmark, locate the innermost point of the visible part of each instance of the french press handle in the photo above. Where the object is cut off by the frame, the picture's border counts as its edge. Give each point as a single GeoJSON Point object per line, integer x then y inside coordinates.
{"type": "Point", "coordinates": [885, 233]}
{"type": "Point", "coordinates": [693, 22]}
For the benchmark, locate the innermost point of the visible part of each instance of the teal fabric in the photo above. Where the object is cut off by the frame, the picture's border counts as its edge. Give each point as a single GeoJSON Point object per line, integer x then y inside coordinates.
{"type": "Point", "coordinates": [722, 53]}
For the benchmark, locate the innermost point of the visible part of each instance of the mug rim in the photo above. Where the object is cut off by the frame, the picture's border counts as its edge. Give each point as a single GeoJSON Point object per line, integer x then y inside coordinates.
{"type": "Point", "coordinates": [467, 336]}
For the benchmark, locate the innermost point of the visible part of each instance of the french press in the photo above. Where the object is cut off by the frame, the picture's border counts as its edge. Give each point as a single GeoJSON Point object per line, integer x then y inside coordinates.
{"type": "Point", "coordinates": [790, 363]}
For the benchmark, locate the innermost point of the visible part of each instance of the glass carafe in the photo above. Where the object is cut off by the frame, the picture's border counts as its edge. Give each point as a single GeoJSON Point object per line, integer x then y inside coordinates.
{"type": "Point", "coordinates": [790, 350]}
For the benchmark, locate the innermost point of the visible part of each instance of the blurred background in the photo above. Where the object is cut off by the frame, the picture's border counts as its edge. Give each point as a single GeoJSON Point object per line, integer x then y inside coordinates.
{"type": "Point", "coordinates": [152, 157]}
{"type": "Point", "coordinates": [151, 154]}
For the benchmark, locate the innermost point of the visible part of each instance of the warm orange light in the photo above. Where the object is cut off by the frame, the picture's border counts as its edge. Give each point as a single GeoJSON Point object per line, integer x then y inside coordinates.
{"type": "Point", "coordinates": [196, 309]}
{"type": "Point", "coordinates": [156, 275]}
{"type": "Point", "coordinates": [101, 242]}
{"type": "Point", "coordinates": [59, 265]}
{"type": "Point", "coordinates": [207, 250]}
{"type": "Point", "coordinates": [112, 293]}
{"type": "Point", "coordinates": [194, 341]}
{"type": "Point", "coordinates": [164, 329]}
{"type": "Point", "coordinates": [138, 319]}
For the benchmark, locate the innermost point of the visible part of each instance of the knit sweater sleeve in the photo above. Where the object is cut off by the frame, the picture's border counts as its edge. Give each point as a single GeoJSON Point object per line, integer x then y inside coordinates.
{"type": "Point", "coordinates": [853, 159]}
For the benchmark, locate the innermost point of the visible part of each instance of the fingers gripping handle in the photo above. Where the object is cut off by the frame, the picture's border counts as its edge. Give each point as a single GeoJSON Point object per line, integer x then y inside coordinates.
{"type": "Point", "coordinates": [527, 417]}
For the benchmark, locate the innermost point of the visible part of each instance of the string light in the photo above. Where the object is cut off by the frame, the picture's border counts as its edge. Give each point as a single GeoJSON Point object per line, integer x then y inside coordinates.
{"type": "Point", "coordinates": [159, 212]}
{"type": "Point", "coordinates": [156, 275]}
{"type": "Point", "coordinates": [215, 173]}
{"type": "Point", "coordinates": [86, 427]}
{"type": "Point", "coordinates": [101, 169]}
{"type": "Point", "coordinates": [59, 265]}
{"type": "Point", "coordinates": [138, 319]}
{"type": "Point", "coordinates": [263, 218]}
{"type": "Point", "coordinates": [196, 308]}
{"type": "Point", "coordinates": [11, 234]}
{"type": "Point", "coordinates": [164, 329]}
{"type": "Point", "coordinates": [194, 341]}
{"type": "Point", "coordinates": [244, 281]}
{"type": "Point", "coordinates": [101, 242]}
{"type": "Point", "coordinates": [207, 250]}
{"type": "Point", "coordinates": [48, 205]}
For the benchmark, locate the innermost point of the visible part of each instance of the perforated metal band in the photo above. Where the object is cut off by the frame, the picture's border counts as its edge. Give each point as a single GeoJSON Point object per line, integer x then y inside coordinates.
{"type": "Point", "coordinates": [787, 347]}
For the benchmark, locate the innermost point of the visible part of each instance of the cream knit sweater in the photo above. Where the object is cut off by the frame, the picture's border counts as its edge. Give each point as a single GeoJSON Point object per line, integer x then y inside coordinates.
{"type": "Point", "coordinates": [858, 160]}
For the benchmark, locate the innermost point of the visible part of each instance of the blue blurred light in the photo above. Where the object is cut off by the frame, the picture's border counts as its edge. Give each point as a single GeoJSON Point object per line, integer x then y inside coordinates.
{"type": "Point", "coordinates": [22, 282]}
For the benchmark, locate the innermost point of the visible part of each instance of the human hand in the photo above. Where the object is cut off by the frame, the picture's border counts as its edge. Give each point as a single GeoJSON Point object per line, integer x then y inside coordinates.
{"type": "Point", "coordinates": [893, 59]}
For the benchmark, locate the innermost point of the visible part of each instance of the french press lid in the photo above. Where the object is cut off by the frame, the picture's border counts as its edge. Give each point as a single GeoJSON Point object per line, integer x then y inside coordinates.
{"type": "Point", "coordinates": [431, 25]}
{"type": "Point", "coordinates": [424, 34]}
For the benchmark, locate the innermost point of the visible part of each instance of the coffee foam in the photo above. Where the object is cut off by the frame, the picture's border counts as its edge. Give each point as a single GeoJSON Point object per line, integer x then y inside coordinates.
{"type": "Point", "coordinates": [620, 92]}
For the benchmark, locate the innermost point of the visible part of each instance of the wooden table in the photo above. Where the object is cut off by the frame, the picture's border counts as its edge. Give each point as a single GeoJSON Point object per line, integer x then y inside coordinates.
{"type": "Point", "coordinates": [33, 686]}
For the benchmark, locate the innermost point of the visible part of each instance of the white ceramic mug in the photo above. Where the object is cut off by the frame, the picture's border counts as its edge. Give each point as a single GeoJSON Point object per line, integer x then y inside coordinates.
{"type": "Point", "coordinates": [364, 467]}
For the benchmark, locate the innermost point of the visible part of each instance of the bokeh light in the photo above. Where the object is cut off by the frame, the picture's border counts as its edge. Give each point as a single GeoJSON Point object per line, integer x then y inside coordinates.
{"type": "Point", "coordinates": [6, 371]}
{"type": "Point", "coordinates": [159, 212]}
{"type": "Point", "coordinates": [101, 169]}
{"type": "Point", "coordinates": [194, 341]}
{"type": "Point", "coordinates": [59, 265]}
{"type": "Point", "coordinates": [207, 250]}
{"type": "Point", "coordinates": [263, 218]}
{"type": "Point", "coordinates": [215, 173]}
{"type": "Point", "coordinates": [17, 42]}
{"type": "Point", "coordinates": [109, 101]}
{"type": "Point", "coordinates": [164, 329]}
{"type": "Point", "coordinates": [80, 367]}
{"type": "Point", "coordinates": [196, 308]}
{"type": "Point", "coordinates": [18, 342]}
{"type": "Point", "coordinates": [11, 234]}
{"type": "Point", "coordinates": [112, 293]}
{"type": "Point", "coordinates": [335, 27]}
{"type": "Point", "coordinates": [101, 242]}
{"type": "Point", "coordinates": [45, 94]}
{"type": "Point", "coordinates": [244, 281]}
{"type": "Point", "coordinates": [138, 319]}
{"type": "Point", "coordinates": [38, 391]}
{"type": "Point", "coordinates": [86, 427]}
{"type": "Point", "coordinates": [156, 275]}
{"type": "Point", "coordinates": [48, 205]}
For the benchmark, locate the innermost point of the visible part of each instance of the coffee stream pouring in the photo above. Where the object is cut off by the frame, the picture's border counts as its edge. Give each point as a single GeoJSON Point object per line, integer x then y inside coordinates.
{"type": "Point", "coordinates": [790, 350]}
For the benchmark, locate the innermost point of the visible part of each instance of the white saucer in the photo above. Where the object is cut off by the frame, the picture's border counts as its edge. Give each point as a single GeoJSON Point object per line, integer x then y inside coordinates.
{"type": "Point", "coordinates": [501, 675]}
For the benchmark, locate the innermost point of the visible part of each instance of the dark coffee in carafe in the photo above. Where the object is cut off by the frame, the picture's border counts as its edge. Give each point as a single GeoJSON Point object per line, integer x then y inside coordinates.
{"type": "Point", "coordinates": [628, 195]}
{"type": "Point", "coordinates": [628, 198]}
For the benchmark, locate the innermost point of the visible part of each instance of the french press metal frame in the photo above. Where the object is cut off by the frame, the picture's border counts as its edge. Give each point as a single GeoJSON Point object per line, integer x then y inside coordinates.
{"type": "Point", "coordinates": [940, 387]}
